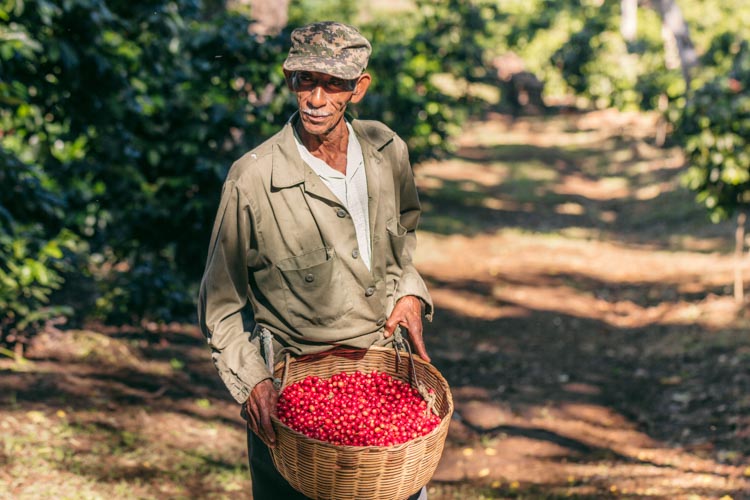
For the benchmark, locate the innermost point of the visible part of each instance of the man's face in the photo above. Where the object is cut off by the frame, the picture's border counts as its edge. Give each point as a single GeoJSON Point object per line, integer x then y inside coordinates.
{"type": "Point", "coordinates": [323, 98]}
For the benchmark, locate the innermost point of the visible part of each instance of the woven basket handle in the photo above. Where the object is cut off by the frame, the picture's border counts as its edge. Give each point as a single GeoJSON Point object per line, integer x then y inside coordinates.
{"type": "Point", "coordinates": [400, 344]}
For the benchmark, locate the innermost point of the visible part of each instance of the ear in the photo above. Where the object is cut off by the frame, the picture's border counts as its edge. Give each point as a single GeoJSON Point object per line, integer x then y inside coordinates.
{"type": "Point", "coordinates": [361, 89]}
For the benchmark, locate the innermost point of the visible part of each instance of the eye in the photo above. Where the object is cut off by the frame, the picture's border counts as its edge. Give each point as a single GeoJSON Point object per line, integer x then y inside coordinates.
{"type": "Point", "coordinates": [305, 77]}
{"type": "Point", "coordinates": [341, 85]}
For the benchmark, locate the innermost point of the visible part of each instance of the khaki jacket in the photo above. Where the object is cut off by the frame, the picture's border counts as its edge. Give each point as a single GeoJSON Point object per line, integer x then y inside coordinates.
{"type": "Point", "coordinates": [283, 254]}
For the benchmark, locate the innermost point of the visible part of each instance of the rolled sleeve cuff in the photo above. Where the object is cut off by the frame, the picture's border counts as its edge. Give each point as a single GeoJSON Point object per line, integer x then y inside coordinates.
{"type": "Point", "coordinates": [240, 384]}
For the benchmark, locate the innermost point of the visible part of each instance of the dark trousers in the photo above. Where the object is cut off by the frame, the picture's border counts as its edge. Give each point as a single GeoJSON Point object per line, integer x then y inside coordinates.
{"type": "Point", "coordinates": [268, 484]}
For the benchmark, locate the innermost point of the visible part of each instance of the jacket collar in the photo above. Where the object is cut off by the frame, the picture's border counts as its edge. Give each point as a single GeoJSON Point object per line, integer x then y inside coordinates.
{"type": "Point", "coordinates": [376, 137]}
{"type": "Point", "coordinates": [288, 168]}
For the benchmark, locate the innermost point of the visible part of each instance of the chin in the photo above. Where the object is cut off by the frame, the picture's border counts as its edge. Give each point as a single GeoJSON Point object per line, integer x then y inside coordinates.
{"type": "Point", "coordinates": [316, 128]}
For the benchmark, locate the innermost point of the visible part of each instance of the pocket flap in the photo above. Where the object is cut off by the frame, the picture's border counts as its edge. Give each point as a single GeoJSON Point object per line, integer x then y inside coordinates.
{"type": "Point", "coordinates": [305, 260]}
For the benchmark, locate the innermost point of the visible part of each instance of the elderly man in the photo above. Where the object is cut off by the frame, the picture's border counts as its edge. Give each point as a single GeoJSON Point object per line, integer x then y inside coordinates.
{"type": "Point", "coordinates": [313, 240]}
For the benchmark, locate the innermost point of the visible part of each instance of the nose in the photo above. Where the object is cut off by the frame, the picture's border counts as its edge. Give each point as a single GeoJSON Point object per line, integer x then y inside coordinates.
{"type": "Point", "coordinates": [317, 97]}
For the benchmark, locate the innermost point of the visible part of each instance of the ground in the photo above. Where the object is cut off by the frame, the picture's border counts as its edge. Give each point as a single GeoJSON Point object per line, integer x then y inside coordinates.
{"type": "Point", "coordinates": [585, 322]}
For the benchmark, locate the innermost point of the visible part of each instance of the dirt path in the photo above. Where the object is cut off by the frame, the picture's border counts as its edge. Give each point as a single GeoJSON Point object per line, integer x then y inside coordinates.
{"type": "Point", "coordinates": [586, 320]}
{"type": "Point", "coordinates": [585, 323]}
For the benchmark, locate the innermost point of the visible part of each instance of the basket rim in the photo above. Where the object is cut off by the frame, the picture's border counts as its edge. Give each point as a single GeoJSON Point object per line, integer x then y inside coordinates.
{"type": "Point", "coordinates": [385, 350]}
{"type": "Point", "coordinates": [436, 430]}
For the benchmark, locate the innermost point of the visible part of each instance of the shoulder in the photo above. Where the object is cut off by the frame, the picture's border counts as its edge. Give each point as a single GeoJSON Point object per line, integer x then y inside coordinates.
{"type": "Point", "coordinates": [255, 162]}
{"type": "Point", "coordinates": [373, 126]}
{"type": "Point", "coordinates": [375, 132]}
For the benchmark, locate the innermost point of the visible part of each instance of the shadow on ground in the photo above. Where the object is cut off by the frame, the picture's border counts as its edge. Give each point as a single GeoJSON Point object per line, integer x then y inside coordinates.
{"type": "Point", "coordinates": [590, 353]}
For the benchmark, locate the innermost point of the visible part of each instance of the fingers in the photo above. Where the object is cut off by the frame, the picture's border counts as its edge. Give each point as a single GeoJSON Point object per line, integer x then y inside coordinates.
{"type": "Point", "coordinates": [414, 326]}
{"type": "Point", "coordinates": [407, 310]}
{"type": "Point", "coordinates": [252, 416]}
{"type": "Point", "coordinates": [260, 406]}
{"type": "Point", "coordinates": [260, 423]}
{"type": "Point", "coordinates": [417, 342]}
{"type": "Point", "coordinates": [390, 325]}
{"type": "Point", "coordinates": [266, 427]}
{"type": "Point", "coordinates": [408, 314]}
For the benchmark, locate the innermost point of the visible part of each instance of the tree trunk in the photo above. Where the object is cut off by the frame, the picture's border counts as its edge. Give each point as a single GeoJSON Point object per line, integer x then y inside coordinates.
{"type": "Point", "coordinates": [662, 122]}
{"type": "Point", "coordinates": [739, 247]}
{"type": "Point", "coordinates": [676, 31]}
{"type": "Point", "coordinates": [629, 19]}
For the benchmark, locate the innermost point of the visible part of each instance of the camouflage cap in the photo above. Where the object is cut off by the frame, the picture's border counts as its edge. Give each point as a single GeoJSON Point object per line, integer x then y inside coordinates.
{"type": "Point", "coordinates": [328, 47]}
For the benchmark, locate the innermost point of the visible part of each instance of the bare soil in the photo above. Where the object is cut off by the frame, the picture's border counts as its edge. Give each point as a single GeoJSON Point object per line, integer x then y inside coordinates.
{"type": "Point", "coordinates": [585, 322]}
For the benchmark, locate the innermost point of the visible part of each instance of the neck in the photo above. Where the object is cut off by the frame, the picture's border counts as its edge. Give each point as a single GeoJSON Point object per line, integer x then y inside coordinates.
{"type": "Point", "coordinates": [330, 147]}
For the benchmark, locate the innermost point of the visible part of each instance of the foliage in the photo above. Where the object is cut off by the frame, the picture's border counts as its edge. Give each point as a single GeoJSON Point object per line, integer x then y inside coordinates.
{"type": "Point", "coordinates": [403, 96]}
{"type": "Point", "coordinates": [119, 123]}
{"type": "Point", "coordinates": [306, 11]}
{"type": "Point", "coordinates": [576, 47]}
{"type": "Point", "coordinates": [32, 263]}
{"type": "Point", "coordinates": [598, 64]}
{"type": "Point", "coordinates": [712, 27]}
{"type": "Point", "coordinates": [714, 128]}
{"type": "Point", "coordinates": [407, 56]}
{"type": "Point", "coordinates": [120, 120]}
{"type": "Point", "coordinates": [412, 57]}
{"type": "Point", "coordinates": [127, 116]}
{"type": "Point", "coordinates": [455, 34]}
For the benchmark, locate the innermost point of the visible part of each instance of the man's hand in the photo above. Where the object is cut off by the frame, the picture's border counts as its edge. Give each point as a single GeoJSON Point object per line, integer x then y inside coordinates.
{"type": "Point", "coordinates": [260, 405]}
{"type": "Point", "coordinates": [408, 314]}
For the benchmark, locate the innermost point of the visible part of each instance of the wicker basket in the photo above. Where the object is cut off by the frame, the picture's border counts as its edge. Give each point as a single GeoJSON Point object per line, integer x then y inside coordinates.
{"type": "Point", "coordinates": [322, 470]}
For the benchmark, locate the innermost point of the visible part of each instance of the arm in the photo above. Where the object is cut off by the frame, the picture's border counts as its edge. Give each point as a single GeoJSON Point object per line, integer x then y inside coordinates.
{"type": "Point", "coordinates": [412, 298]}
{"type": "Point", "coordinates": [222, 301]}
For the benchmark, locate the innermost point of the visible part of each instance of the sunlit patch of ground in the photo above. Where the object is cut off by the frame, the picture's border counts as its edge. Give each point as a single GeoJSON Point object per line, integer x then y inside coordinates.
{"type": "Point", "coordinates": [130, 453]}
{"type": "Point", "coordinates": [526, 274]}
{"type": "Point", "coordinates": [586, 377]}
{"type": "Point", "coordinates": [584, 321]}
{"type": "Point", "coordinates": [93, 416]}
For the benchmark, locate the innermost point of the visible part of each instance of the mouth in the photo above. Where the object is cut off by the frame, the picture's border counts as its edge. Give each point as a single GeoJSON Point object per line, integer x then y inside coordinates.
{"type": "Point", "coordinates": [315, 116]}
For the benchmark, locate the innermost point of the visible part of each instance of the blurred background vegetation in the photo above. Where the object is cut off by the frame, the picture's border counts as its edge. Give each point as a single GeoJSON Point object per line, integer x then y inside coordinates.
{"type": "Point", "coordinates": [119, 120]}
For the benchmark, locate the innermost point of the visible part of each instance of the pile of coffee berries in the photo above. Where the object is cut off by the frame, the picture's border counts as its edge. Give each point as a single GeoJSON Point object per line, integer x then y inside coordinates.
{"type": "Point", "coordinates": [356, 409]}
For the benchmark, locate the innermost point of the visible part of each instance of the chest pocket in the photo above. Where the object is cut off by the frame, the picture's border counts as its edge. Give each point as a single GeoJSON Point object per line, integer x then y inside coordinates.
{"type": "Point", "coordinates": [313, 288]}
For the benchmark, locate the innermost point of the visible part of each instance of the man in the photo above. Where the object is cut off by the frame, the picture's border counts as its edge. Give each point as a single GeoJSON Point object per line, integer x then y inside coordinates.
{"type": "Point", "coordinates": [313, 239]}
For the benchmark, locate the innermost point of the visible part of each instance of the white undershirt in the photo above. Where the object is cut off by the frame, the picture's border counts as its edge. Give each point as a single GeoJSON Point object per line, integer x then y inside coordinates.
{"type": "Point", "coordinates": [350, 189]}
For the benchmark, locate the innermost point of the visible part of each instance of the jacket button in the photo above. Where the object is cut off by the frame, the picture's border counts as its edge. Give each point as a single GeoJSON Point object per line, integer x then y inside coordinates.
{"type": "Point", "coordinates": [370, 290]}
{"type": "Point", "coordinates": [309, 277]}
{"type": "Point", "coordinates": [341, 213]}
{"type": "Point", "coordinates": [355, 253]}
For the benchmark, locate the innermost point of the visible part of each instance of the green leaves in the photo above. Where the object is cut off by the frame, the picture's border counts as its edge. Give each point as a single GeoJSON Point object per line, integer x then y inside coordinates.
{"type": "Point", "coordinates": [120, 120]}
{"type": "Point", "coordinates": [30, 271]}
{"type": "Point", "coordinates": [714, 128]}
{"type": "Point", "coordinates": [107, 120]}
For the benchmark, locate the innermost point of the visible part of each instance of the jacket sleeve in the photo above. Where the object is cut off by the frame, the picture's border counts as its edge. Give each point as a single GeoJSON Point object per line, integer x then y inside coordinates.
{"type": "Point", "coordinates": [223, 297]}
{"type": "Point", "coordinates": [411, 283]}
